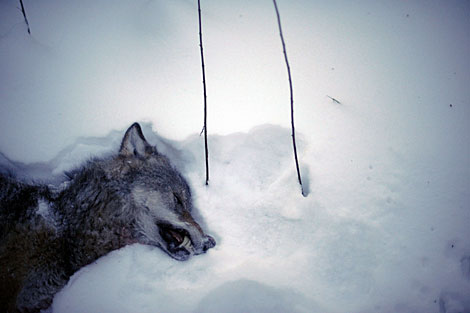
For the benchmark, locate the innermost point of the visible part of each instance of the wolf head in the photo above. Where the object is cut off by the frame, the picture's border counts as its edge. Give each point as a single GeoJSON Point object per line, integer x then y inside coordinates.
{"type": "Point", "coordinates": [159, 198]}
{"type": "Point", "coordinates": [47, 234]}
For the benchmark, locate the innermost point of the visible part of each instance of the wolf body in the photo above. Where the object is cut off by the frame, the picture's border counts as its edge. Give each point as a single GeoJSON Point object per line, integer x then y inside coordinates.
{"type": "Point", "coordinates": [47, 235]}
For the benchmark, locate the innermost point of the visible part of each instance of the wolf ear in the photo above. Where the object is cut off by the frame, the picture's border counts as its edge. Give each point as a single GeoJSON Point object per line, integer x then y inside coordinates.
{"type": "Point", "coordinates": [134, 143]}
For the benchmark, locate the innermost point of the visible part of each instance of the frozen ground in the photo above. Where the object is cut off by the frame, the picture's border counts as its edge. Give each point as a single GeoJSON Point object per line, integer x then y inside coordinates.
{"type": "Point", "coordinates": [385, 225]}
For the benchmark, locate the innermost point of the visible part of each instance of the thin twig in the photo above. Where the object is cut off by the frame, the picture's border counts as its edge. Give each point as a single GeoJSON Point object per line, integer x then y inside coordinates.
{"type": "Point", "coordinates": [25, 18]}
{"type": "Point", "coordinates": [334, 100]}
{"type": "Point", "coordinates": [206, 148]}
{"type": "Point", "coordinates": [291, 97]}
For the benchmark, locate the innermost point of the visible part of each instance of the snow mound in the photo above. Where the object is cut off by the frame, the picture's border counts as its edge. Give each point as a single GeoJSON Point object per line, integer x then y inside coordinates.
{"type": "Point", "coordinates": [366, 244]}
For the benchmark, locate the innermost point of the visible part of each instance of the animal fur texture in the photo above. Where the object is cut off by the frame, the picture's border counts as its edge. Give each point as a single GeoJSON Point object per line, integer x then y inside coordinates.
{"type": "Point", "coordinates": [46, 235]}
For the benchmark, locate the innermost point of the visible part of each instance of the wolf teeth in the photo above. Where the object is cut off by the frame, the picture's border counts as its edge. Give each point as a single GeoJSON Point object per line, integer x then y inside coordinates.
{"type": "Point", "coordinates": [186, 243]}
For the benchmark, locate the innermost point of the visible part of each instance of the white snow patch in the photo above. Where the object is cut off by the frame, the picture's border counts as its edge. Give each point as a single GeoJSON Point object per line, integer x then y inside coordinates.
{"type": "Point", "coordinates": [44, 210]}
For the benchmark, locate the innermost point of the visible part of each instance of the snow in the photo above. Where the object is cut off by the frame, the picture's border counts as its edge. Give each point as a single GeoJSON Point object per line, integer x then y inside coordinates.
{"type": "Point", "coordinates": [385, 224]}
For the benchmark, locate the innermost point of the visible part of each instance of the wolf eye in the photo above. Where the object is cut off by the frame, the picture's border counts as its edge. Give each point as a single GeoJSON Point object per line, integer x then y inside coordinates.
{"type": "Point", "coordinates": [178, 199]}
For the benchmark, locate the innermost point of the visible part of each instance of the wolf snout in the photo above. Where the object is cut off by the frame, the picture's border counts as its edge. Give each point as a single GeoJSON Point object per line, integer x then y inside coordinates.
{"type": "Point", "coordinates": [208, 243]}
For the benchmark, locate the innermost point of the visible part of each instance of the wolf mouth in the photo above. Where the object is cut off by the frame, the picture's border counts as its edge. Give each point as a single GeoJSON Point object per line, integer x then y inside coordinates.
{"type": "Point", "coordinates": [178, 241]}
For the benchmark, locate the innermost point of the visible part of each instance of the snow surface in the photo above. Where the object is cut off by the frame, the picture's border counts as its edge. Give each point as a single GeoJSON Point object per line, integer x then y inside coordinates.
{"type": "Point", "coordinates": [386, 223]}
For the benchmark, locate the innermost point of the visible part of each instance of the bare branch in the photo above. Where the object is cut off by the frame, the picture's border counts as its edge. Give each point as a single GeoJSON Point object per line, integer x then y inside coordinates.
{"type": "Point", "coordinates": [206, 148]}
{"type": "Point", "coordinates": [24, 15]}
{"type": "Point", "coordinates": [291, 97]}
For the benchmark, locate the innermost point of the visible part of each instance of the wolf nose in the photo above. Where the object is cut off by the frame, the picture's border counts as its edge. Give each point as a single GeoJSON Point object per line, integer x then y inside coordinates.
{"type": "Point", "coordinates": [209, 242]}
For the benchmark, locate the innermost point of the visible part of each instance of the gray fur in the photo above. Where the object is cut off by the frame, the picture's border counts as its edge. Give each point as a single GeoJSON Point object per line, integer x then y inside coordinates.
{"type": "Point", "coordinates": [46, 235]}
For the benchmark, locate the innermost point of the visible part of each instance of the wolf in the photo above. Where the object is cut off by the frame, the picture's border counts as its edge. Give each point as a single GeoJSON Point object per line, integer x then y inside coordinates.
{"type": "Point", "coordinates": [46, 235]}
